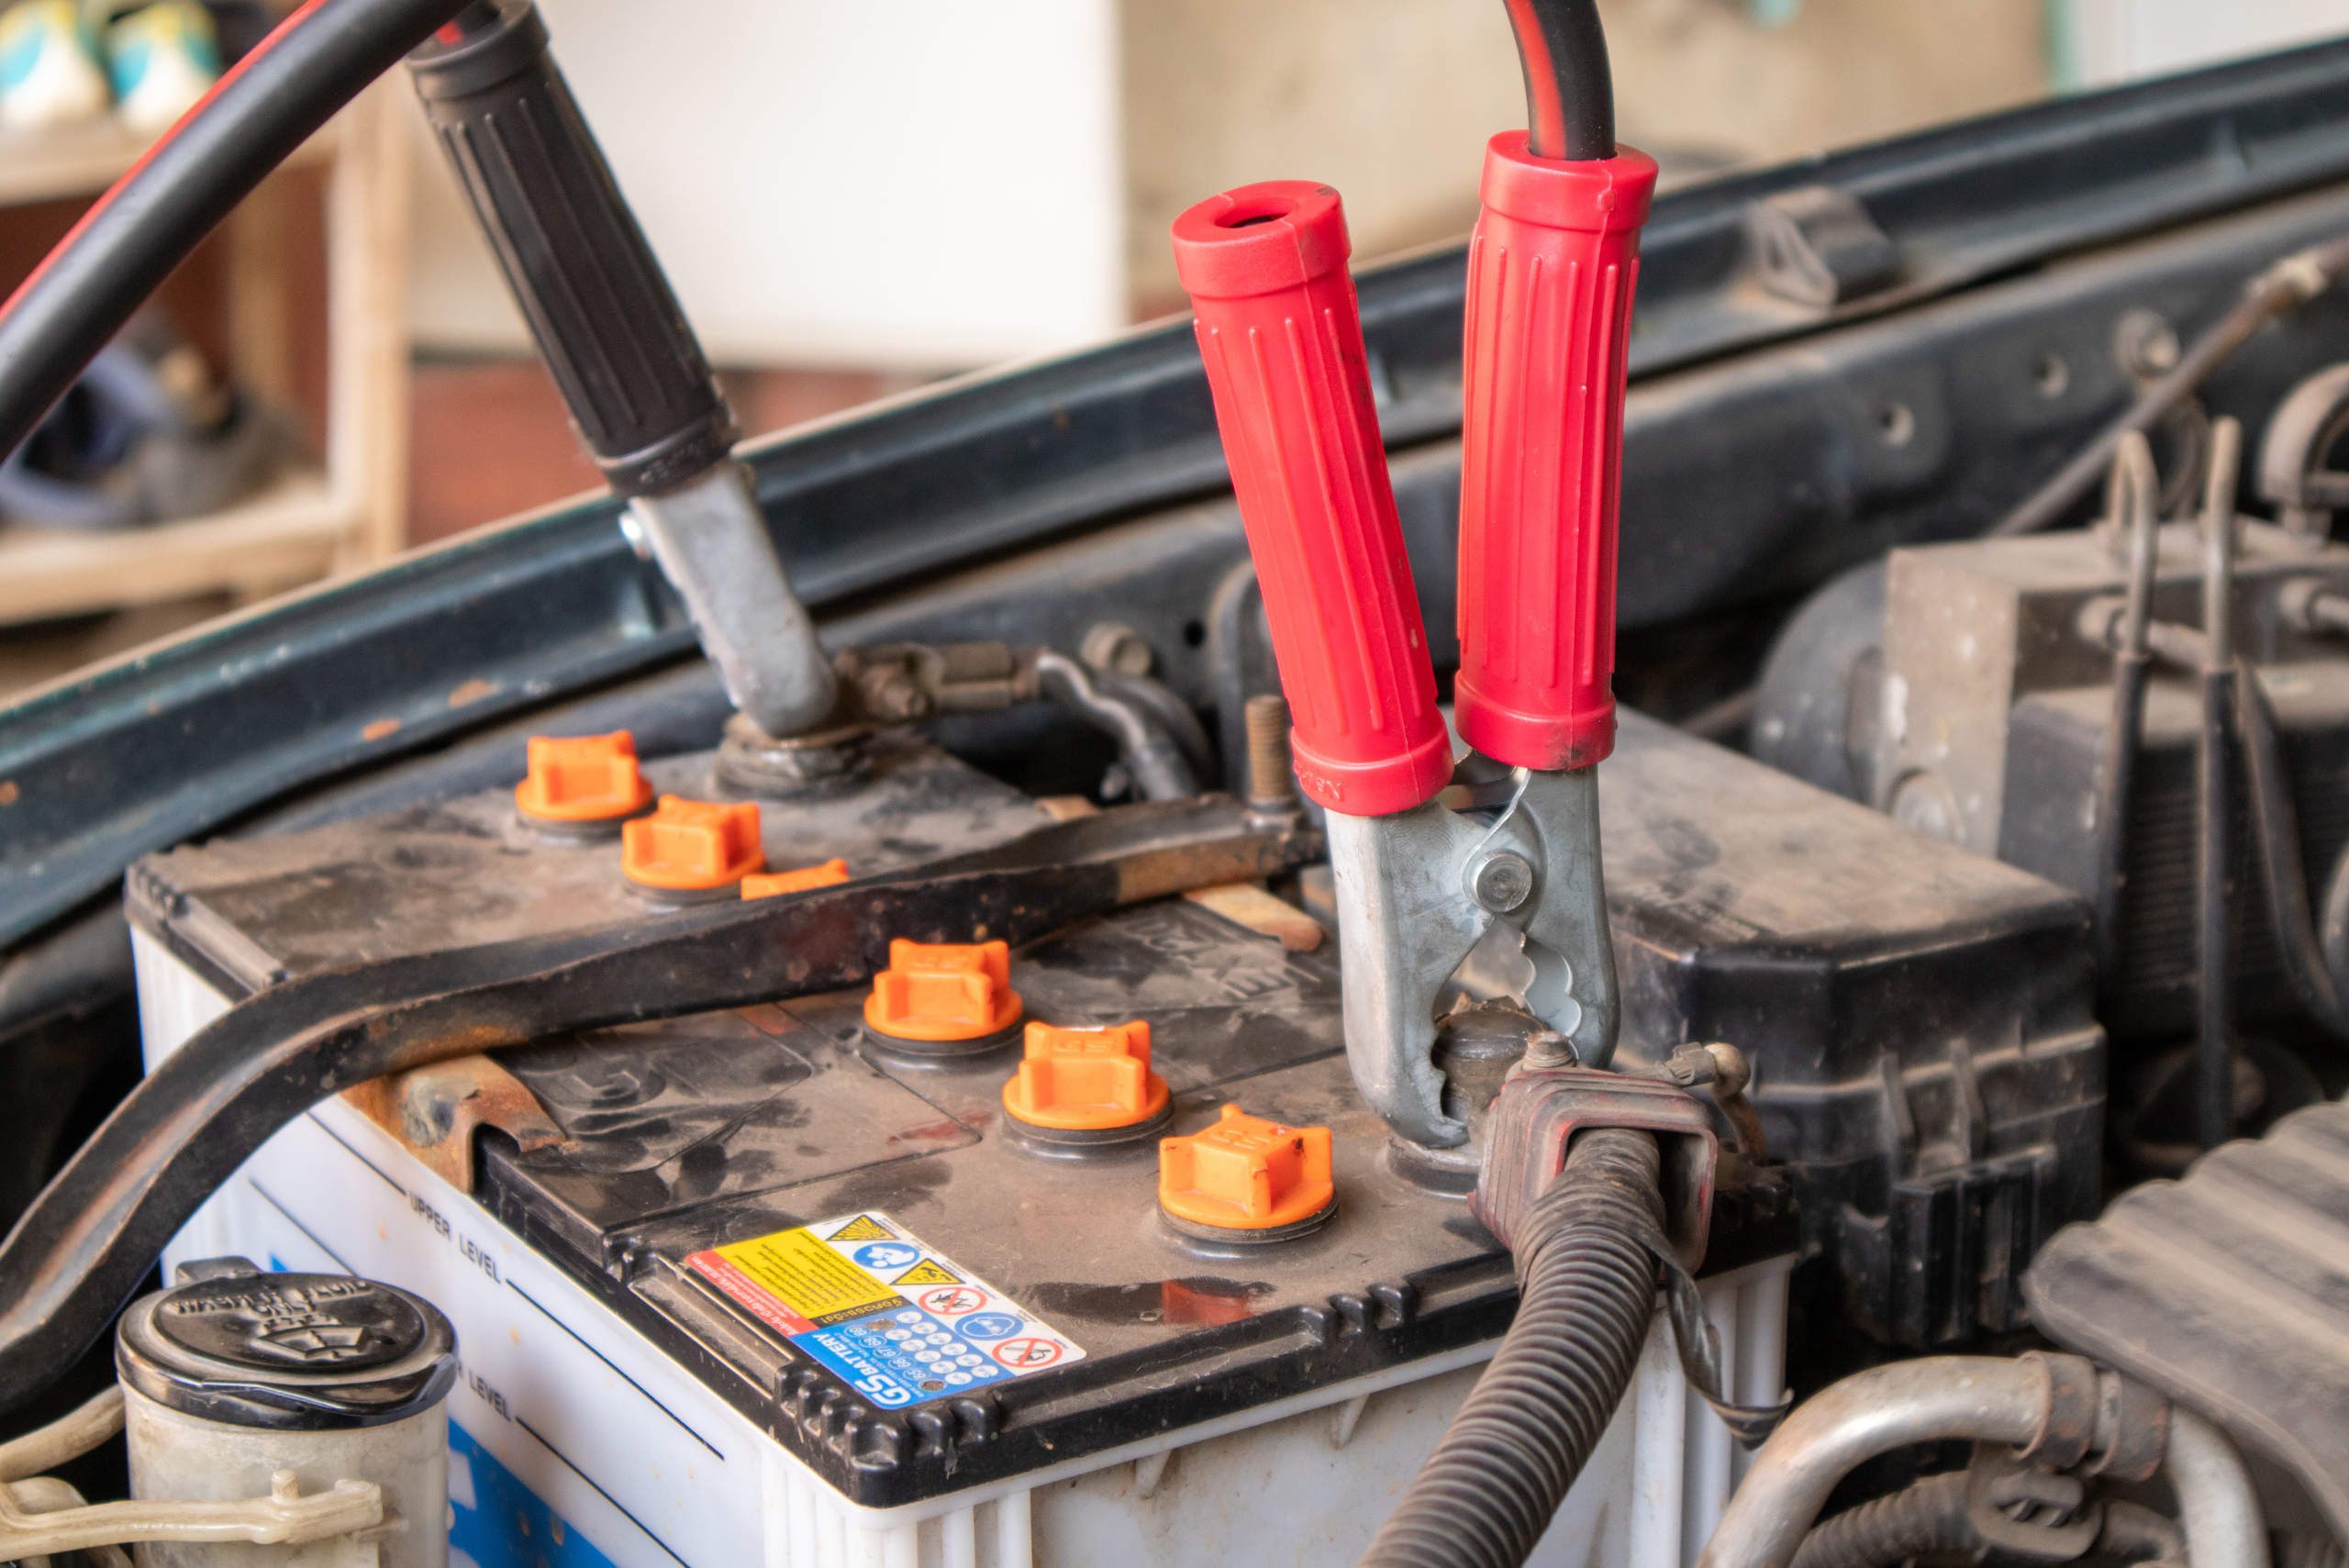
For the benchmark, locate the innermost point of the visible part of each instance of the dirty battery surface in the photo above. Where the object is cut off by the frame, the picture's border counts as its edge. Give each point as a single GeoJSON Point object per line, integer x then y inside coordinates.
{"type": "Point", "coordinates": [844, 1241]}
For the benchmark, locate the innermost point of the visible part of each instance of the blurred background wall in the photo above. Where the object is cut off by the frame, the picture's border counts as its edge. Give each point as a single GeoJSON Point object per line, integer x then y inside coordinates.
{"type": "Point", "coordinates": [853, 199]}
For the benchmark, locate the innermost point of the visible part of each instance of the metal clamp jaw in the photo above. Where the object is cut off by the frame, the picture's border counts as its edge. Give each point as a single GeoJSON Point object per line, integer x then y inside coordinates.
{"type": "Point", "coordinates": [1421, 885]}
{"type": "Point", "coordinates": [1420, 890]}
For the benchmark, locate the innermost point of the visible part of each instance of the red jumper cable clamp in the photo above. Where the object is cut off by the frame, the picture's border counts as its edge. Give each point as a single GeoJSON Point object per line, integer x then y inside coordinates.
{"type": "Point", "coordinates": [1419, 883]}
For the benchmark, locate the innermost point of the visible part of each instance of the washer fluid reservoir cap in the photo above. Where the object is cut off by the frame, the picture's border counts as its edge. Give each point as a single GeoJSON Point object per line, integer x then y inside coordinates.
{"type": "Point", "coordinates": [591, 778]}
{"type": "Point", "coordinates": [1246, 1179]}
{"type": "Point", "coordinates": [944, 996]}
{"type": "Point", "coordinates": [692, 846]}
{"type": "Point", "coordinates": [1088, 1082]}
{"type": "Point", "coordinates": [285, 1351]}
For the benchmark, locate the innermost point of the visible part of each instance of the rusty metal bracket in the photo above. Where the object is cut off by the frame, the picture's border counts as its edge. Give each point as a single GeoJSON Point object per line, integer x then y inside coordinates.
{"type": "Point", "coordinates": [434, 1111]}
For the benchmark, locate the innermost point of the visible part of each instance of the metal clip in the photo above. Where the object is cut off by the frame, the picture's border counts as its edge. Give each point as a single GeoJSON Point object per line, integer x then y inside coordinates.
{"type": "Point", "coordinates": [1417, 890]}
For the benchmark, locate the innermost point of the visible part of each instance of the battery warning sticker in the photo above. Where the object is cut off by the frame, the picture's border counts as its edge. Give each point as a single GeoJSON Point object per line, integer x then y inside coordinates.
{"type": "Point", "coordinates": [900, 1323]}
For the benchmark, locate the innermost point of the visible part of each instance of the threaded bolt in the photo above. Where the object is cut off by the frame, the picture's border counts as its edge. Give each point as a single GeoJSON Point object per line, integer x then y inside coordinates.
{"type": "Point", "coordinates": [1270, 780]}
{"type": "Point", "coordinates": [1502, 881]}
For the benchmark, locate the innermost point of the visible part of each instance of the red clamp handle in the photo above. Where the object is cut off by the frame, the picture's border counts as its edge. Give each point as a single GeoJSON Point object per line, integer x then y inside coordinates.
{"type": "Point", "coordinates": [1281, 334]}
{"type": "Point", "coordinates": [1550, 272]}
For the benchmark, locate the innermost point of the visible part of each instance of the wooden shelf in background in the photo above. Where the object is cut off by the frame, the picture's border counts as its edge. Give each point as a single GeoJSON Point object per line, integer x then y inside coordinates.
{"type": "Point", "coordinates": [305, 526]}
{"type": "Point", "coordinates": [287, 534]}
{"type": "Point", "coordinates": [82, 158]}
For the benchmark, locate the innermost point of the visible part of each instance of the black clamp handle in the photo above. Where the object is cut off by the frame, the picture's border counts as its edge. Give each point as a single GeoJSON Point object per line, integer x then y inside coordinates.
{"type": "Point", "coordinates": [640, 391]}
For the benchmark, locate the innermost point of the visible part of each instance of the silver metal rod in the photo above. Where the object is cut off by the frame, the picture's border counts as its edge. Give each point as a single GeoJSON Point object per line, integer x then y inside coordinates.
{"type": "Point", "coordinates": [2219, 540]}
{"type": "Point", "coordinates": [711, 542]}
{"type": "Point", "coordinates": [2136, 507]}
{"type": "Point", "coordinates": [1985, 1398]}
{"type": "Point", "coordinates": [2214, 1061]}
{"type": "Point", "coordinates": [2217, 1502]}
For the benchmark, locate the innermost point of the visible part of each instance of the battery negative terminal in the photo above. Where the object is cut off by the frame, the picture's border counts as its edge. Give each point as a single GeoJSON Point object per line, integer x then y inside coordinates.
{"type": "Point", "coordinates": [1246, 1179]}
{"type": "Point", "coordinates": [944, 999]}
{"type": "Point", "coordinates": [1088, 1085]}
{"type": "Point", "coordinates": [692, 846]}
{"type": "Point", "coordinates": [589, 778]}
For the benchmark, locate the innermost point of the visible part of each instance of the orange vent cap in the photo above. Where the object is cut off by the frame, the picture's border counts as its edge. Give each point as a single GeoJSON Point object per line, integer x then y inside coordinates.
{"type": "Point", "coordinates": [591, 778]}
{"type": "Point", "coordinates": [689, 846]}
{"type": "Point", "coordinates": [939, 992]}
{"type": "Point", "coordinates": [1086, 1080]}
{"type": "Point", "coordinates": [769, 884]}
{"type": "Point", "coordinates": [1246, 1173]}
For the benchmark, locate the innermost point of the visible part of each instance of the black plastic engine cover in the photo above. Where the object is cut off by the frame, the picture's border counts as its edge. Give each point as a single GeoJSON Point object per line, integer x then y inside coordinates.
{"type": "Point", "coordinates": [2228, 1291]}
{"type": "Point", "coordinates": [1920, 1021]}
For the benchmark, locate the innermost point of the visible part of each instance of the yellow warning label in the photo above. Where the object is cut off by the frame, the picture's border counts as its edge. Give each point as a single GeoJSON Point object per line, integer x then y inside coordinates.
{"type": "Point", "coordinates": [929, 1272]}
{"type": "Point", "coordinates": [809, 1278]}
{"type": "Point", "coordinates": [865, 1228]}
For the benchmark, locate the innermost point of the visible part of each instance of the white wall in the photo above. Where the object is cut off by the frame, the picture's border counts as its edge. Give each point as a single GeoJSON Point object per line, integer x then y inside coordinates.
{"type": "Point", "coordinates": [921, 185]}
{"type": "Point", "coordinates": [2120, 40]}
{"type": "Point", "coordinates": [1391, 101]}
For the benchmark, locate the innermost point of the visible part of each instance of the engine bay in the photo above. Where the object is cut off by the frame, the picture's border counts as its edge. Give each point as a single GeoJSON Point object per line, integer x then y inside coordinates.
{"type": "Point", "coordinates": [1085, 967]}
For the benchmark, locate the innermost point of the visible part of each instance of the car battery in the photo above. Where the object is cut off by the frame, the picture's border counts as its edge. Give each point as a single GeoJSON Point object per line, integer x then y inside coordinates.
{"type": "Point", "coordinates": [756, 1286]}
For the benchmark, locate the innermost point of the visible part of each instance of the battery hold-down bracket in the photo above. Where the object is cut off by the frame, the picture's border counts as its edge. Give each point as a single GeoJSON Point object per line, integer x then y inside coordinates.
{"type": "Point", "coordinates": [1534, 1119]}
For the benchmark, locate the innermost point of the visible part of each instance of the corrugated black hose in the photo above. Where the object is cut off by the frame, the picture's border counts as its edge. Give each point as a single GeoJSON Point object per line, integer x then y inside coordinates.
{"type": "Point", "coordinates": [1931, 1517]}
{"type": "Point", "coordinates": [1588, 1289]}
{"type": "Point", "coordinates": [1927, 1517]}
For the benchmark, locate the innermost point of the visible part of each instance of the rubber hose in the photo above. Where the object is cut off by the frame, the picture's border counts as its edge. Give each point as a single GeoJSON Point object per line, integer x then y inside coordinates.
{"type": "Point", "coordinates": [2290, 282]}
{"type": "Point", "coordinates": [2214, 961]}
{"type": "Point", "coordinates": [1587, 1288]}
{"type": "Point", "coordinates": [1174, 715]}
{"type": "Point", "coordinates": [2335, 929]}
{"type": "Point", "coordinates": [2276, 828]}
{"type": "Point", "coordinates": [2115, 798]}
{"type": "Point", "coordinates": [2299, 1549]}
{"type": "Point", "coordinates": [1928, 1516]}
{"type": "Point", "coordinates": [268, 104]}
{"type": "Point", "coordinates": [1569, 90]}
{"type": "Point", "coordinates": [1156, 762]}
{"type": "Point", "coordinates": [2214, 789]}
{"type": "Point", "coordinates": [2134, 1533]}
{"type": "Point", "coordinates": [2130, 500]}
